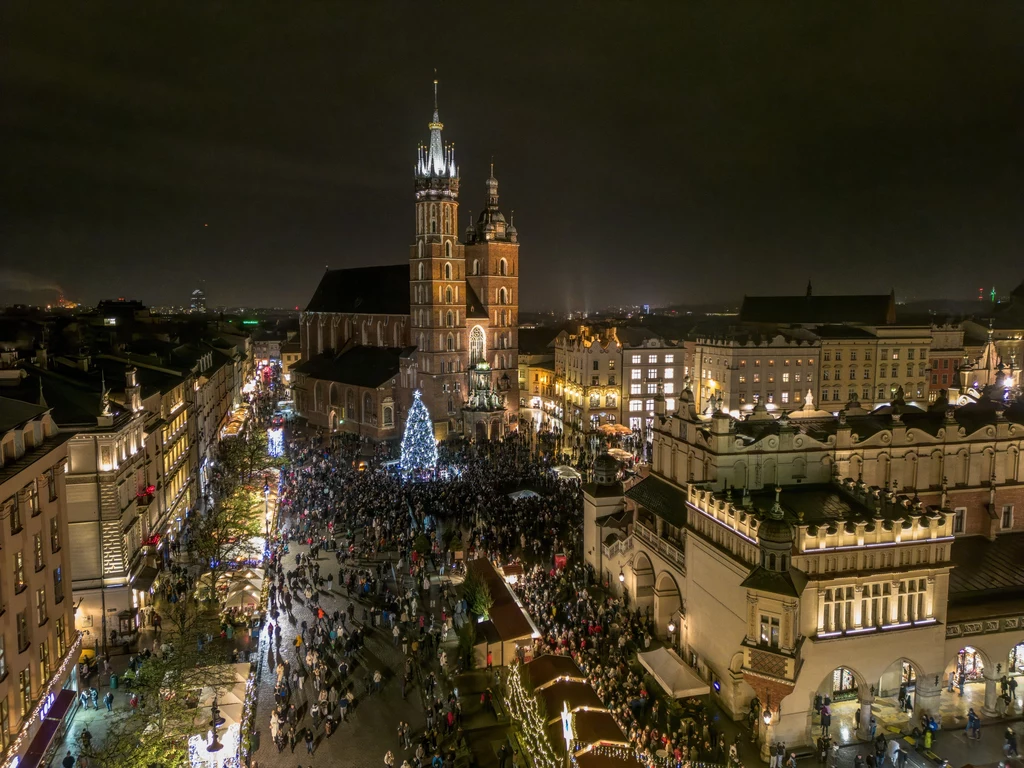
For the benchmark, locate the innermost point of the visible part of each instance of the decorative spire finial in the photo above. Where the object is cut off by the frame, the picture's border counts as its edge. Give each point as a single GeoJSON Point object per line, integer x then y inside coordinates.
{"type": "Point", "coordinates": [776, 510]}
{"type": "Point", "coordinates": [104, 395]}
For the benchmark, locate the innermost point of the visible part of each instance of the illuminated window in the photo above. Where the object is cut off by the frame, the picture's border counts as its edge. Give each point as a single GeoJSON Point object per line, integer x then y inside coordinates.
{"type": "Point", "coordinates": [785, 378]}
{"type": "Point", "coordinates": [634, 389]}
{"type": "Point", "coordinates": [636, 374]}
{"type": "Point", "coordinates": [669, 359]}
{"type": "Point", "coordinates": [636, 359]}
{"type": "Point", "coordinates": [25, 690]}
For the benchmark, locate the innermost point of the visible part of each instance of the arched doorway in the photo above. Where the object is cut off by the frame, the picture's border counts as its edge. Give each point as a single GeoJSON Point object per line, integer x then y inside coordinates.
{"type": "Point", "coordinates": [1016, 660]}
{"type": "Point", "coordinates": [835, 705]}
{"type": "Point", "coordinates": [477, 349]}
{"type": "Point", "coordinates": [896, 694]}
{"type": "Point", "coordinates": [495, 430]}
{"type": "Point", "coordinates": [333, 420]}
{"type": "Point", "coordinates": [642, 593]}
{"type": "Point", "coordinates": [963, 684]}
{"type": "Point", "coordinates": [481, 432]}
{"type": "Point", "coordinates": [667, 602]}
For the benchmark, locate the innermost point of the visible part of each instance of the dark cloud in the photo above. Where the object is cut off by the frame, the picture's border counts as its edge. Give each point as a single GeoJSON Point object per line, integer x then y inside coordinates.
{"type": "Point", "coordinates": [652, 151]}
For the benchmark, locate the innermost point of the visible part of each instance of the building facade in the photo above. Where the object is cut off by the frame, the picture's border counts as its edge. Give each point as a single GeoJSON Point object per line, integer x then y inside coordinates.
{"type": "Point", "coordinates": [39, 646]}
{"type": "Point", "coordinates": [826, 555]}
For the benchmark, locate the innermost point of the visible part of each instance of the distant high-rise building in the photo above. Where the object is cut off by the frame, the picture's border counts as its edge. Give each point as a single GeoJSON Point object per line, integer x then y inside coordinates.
{"type": "Point", "coordinates": [198, 301]}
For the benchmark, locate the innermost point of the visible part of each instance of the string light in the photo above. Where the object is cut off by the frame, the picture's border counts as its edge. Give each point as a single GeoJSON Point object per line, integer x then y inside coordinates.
{"type": "Point", "coordinates": [419, 449]}
{"type": "Point", "coordinates": [11, 757]}
{"type": "Point", "coordinates": [525, 711]}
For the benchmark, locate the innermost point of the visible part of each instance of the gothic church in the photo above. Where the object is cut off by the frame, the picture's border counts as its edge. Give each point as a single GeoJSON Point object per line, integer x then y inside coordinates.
{"type": "Point", "coordinates": [446, 323]}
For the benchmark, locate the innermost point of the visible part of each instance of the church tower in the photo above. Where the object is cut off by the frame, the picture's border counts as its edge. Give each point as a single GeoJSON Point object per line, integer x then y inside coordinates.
{"type": "Point", "coordinates": [437, 282]}
{"type": "Point", "coordinates": [492, 263]}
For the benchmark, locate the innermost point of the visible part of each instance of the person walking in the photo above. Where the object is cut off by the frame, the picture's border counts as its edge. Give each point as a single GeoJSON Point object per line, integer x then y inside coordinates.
{"type": "Point", "coordinates": [309, 741]}
{"type": "Point", "coordinates": [108, 701]}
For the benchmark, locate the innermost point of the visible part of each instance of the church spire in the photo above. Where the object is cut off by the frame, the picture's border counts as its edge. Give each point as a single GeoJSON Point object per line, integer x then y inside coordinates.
{"type": "Point", "coordinates": [436, 160]}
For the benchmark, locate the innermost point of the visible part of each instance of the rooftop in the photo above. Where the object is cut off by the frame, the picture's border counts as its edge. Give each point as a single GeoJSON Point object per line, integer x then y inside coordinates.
{"type": "Point", "coordinates": [366, 290]}
{"type": "Point", "coordinates": [15, 413]}
{"type": "Point", "coordinates": [987, 569]}
{"type": "Point", "coordinates": [359, 366]}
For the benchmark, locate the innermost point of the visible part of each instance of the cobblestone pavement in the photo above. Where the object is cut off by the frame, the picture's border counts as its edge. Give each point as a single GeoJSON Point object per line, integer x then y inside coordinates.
{"type": "Point", "coordinates": [371, 727]}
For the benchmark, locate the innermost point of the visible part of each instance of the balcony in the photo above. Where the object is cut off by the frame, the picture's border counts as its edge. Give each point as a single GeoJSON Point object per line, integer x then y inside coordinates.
{"type": "Point", "coordinates": [618, 548]}
{"type": "Point", "coordinates": [670, 550]}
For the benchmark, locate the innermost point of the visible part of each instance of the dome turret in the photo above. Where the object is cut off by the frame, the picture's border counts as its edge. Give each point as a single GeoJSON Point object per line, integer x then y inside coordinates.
{"type": "Point", "coordinates": [775, 537]}
{"type": "Point", "coordinates": [606, 469]}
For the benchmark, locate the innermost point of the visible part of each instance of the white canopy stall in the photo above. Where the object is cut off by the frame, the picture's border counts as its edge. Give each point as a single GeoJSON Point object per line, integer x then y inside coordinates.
{"type": "Point", "coordinates": [673, 674]}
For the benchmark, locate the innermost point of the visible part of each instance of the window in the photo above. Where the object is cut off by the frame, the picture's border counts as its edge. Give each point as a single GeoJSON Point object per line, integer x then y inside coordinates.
{"type": "Point", "coordinates": [448, 267]}
{"type": "Point", "coordinates": [636, 405]}
{"type": "Point", "coordinates": [835, 394]}
{"type": "Point", "coordinates": [595, 380]}
{"type": "Point", "coordinates": [895, 354]}
{"type": "Point", "coordinates": [785, 377]}
{"type": "Point", "coordinates": [853, 355]}
{"type": "Point", "coordinates": [867, 354]}
{"type": "Point", "coordinates": [21, 621]}
{"type": "Point", "coordinates": [826, 355]}
{"type": "Point", "coordinates": [19, 573]}
{"type": "Point", "coordinates": [826, 374]}
{"type": "Point", "coordinates": [636, 359]}
{"type": "Point", "coordinates": [25, 690]}
{"type": "Point", "coordinates": [853, 374]}
{"type": "Point", "coordinates": [634, 389]}
{"type": "Point", "coordinates": [652, 388]}
{"type": "Point", "coordinates": [839, 355]}
{"type": "Point", "coordinates": [32, 494]}
{"type": "Point", "coordinates": [652, 359]}
{"type": "Point", "coordinates": [15, 505]}
{"type": "Point", "coordinates": [1007, 519]}
{"type": "Point", "coordinates": [636, 374]}
{"type": "Point", "coordinates": [37, 546]}
{"type": "Point", "coordinates": [58, 585]}
{"type": "Point", "coordinates": [743, 379]}
{"type": "Point", "coordinates": [652, 373]}
{"type": "Point", "coordinates": [910, 369]}
{"type": "Point", "coordinates": [3, 659]}
{"type": "Point", "coordinates": [41, 606]}
{"type": "Point", "coordinates": [62, 640]}
{"type": "Point", "coordinates": [770, 631]}
{"type": "Point", "coordinates": [757, 378]}
{"type": "Point", "coordinates": [959, 519]}
{"type": "Point", "coordinates": [44, 661]}
{"type": "Point", "coordinates": [669, 359]}
{"type": "Point", "coordinates": [54, 535]}
{"type": "Point", "coordinates": [786, 363]}
{"type": "Point", "coordinates": [5, 724]}
{"type": "Point", "coordinates": [945, 363]}
{"type": "Point", "coordinates": [51, 483]}
{"type": "Point", "coordinates": [611, 365]}
{"type": "Point", "coordinates": [595, 365]}
{"type": "Point", "coordinates": [785, 397]}
{"type": "Point", "coordinates": [867, 372]}
{"type": "Point", "coordinates": [895, 370]}
{"type": "Point", "coordinates": [910, 354]}
{"type": "Point", "coordinates": [503, 268]}
{"type": "Point", "coordinates": [669, 374]}
{"type": "Point", "coordinates": [771, 378]}
{"type": "Point", "coordinates": [824, 395]}
{"type": "Point", "coordinates": [743, 363]}
{"type": "Point", "coordinates": [609, 401]}
{"type": "Point", "coordinates": [649, 405]}
{"type": "Point", "coordinates": [796, 377]}
{"type": "Point", "coordinates": [866, 392]}
{"type": "Point", "coordinates": [881, 392]}
{"type": "Point", "coordinates": [757, 363]}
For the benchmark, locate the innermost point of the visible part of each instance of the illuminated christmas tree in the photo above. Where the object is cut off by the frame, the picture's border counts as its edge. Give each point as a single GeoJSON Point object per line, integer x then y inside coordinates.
{"type": "Point", "coordinates": [419, 451]}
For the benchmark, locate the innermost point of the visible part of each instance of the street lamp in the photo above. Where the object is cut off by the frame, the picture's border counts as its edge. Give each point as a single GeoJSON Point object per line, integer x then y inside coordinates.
{"type": "Point", "coordinates": [622, 577]}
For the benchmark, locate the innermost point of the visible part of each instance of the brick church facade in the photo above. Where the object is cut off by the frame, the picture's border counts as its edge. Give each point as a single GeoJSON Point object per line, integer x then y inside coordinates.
{"type": "Point", "coordinates": [446, 323]}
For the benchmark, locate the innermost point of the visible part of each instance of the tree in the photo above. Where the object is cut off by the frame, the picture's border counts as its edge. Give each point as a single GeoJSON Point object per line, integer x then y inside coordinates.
{"type": "Point", "coordinates": [478, 594]}
{"type": "Point", "coordinates": [169, 688]}
{"type": "Point", "coordinates": [419, 449]}
{"type": "Point", "coordinates": [246, 456]}
{"type": "Point", "coordinates": [225, 534]}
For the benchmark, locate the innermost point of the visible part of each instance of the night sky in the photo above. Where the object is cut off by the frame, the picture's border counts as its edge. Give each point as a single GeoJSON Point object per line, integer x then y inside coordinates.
{"type": "Point", "coordinates": [651, 155]}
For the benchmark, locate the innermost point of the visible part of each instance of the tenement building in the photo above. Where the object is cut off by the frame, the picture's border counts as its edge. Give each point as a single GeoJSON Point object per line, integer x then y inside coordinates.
{"type": "Point", "coordinates": [809, 557]}
{"type": "Point", "coordinates": [38, 644]}
{"type": "Point", "coordinates": [445, 323]}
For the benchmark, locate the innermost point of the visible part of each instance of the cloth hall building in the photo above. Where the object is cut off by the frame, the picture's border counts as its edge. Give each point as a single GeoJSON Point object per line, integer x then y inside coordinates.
{"type": "Point", "coordinates": [445, 323]}
{"type": "Point", "coordinates": [794, 557]}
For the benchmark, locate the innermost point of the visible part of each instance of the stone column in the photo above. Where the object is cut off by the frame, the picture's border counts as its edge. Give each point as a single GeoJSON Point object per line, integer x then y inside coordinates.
{"type": "Point", "coordinates": [865, 699]}
{"type": "Point", "coordinates": [991, 689]}
{"type": "Point", "coordinates": [927, 696]}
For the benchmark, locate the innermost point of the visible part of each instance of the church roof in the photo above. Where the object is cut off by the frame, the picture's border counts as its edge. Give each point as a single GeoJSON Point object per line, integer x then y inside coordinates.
{"type": "Point", "coordinates": [858, 310]}
{"type": "Point", "coordinates": [359, 366]}
{"type": "Point", "coordinates": [366, 290]}
{"type": "Point", "coordinates": [662, 498]}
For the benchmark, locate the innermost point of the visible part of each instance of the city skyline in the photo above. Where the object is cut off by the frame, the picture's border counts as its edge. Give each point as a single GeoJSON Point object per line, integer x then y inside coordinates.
{"type": "Point", "coordinates": [716, 155]}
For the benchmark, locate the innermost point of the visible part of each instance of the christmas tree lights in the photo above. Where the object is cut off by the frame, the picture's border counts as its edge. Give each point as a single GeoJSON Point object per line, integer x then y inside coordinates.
{"type": "Point", "coordinates": [419, 450]}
